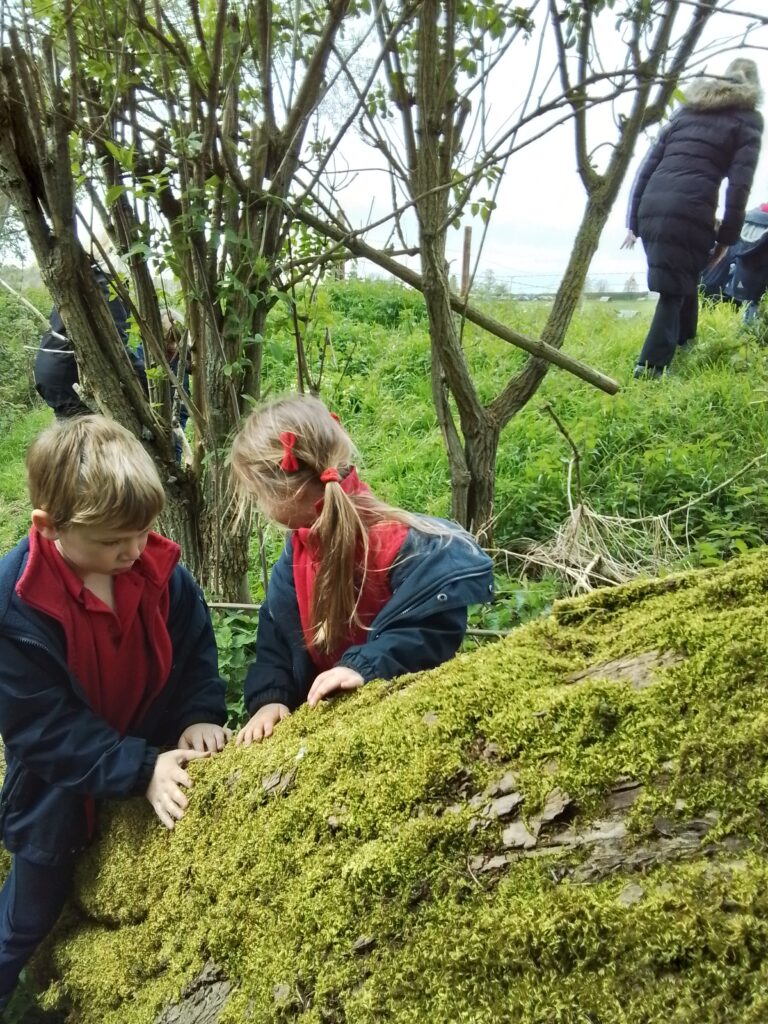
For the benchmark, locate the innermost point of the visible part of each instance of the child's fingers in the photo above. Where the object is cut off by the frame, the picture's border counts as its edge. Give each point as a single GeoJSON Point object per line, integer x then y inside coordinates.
{"type": "Point", "coordinates": [198, 741]}
{"type": "Point", "coordinates": [164, 816]}
{"type": "Point", "coordinates": [321, 690]}
{"type": "Point", "coordinates": [181, 778]}
{"type": "Point", "coordinates": [170, 806]}
{"type": "Point", "coordinates": [245, 736]}
{"type": "Point", "coordinates": [190, 755]}
{"type": "Point", "coordinates": [176, 802]}
{"type": "Point", "coordinates": [217, 739]}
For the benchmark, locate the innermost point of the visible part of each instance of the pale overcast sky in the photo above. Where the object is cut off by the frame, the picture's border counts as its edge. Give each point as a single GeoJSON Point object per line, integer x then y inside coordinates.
{"type": "Point", "coordinates": [542, 199]}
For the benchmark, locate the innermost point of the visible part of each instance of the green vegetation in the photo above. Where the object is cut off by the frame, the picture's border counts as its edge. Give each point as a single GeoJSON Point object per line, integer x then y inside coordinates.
{"type": "Point", "coordinates": [353, 868]}
{"type": "Point", "coordinates": [648, 449]}
{"type": "Point", "coordinates": [653, 447]}
{"type": "Point", "coordinates": [14, 500]}
{"type": "Point", "coordinates": [341, 871]}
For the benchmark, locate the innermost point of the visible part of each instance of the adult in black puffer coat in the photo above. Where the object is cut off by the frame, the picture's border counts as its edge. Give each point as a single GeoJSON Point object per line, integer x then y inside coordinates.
{"type": "Point", "coordinates": [716, 135]}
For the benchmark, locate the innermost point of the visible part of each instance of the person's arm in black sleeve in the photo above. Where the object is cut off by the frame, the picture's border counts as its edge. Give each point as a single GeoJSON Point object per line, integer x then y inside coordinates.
{"type": "Point", "coordinates": [203, 697]}
{"type": "Point", "coordinates": [270, 677]}
{"type": "Point", "coordinates": [740, 176]}
{"type": "Point", "coordinates": [58, 737]}
{"type": "Point", "coordinates": [409, 646]}
{"type": "Point", "coordinates": [648, 166]}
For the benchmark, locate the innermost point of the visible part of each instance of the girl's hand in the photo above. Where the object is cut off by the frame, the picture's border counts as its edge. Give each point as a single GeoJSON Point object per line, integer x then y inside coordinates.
{"type": "Point", "coordinates": [629, 241]}
{"type": "Point", "coordinates": [338, 678]}
{"type": "Point", "coordinates": [164, 791]}
{"type": "Point", "coordinates": [204, 736]}
{"type": "Point", "coordinates": [262, 724]}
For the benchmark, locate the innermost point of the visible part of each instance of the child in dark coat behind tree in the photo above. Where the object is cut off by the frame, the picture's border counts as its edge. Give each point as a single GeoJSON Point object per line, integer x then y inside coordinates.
{"type": "Point", "coordinates": [107, 656]}
{"type": "Point", "coordinates": [362, 590]}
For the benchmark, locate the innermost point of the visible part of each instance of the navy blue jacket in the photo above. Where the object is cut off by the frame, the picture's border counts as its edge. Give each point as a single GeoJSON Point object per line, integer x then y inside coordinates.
{"type": "Point", "coordinates": [433, 580]}
{"type": "Point", "coordinates": [57, 749]}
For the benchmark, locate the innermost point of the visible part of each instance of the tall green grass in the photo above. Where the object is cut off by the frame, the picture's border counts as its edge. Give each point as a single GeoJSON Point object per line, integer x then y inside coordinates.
{"type": "Point", "coordinates": [14, 501]}
{"type": "Point", "coordinates": [654, 446]}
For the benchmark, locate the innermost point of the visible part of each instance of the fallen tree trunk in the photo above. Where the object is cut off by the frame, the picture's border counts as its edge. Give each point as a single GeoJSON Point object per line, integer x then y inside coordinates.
{"type": "Point", "coordinates": [568, 825]}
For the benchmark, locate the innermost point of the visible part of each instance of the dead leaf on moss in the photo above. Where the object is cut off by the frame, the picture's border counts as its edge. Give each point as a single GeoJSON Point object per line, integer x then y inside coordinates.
{"type": "Point", "coordinates": [504, 806]}
{"type": "Point", "coordinates": [281, 993]}
{"type": "Point", "coordinates": [231, 780]}
{"type": "Point", "coordinates": [622, 797]}
{"type": "Point", "coordinates": [363, 945]}
{"type": "Point", "coordinates": [483, 865]}
{"type": "Point", "coordinates": [556, 804]}
{"type": "Point", "coordinates": [517, 837]}
{"type": "Point", "coordinates": [278, 782]}
{"type": "Point", "coordinates": [605, 831]}
{"type": "Point", "coordinates": [201, 1001]}
{"type": "Point", "coordinates": [631, 894]}
{"type": "Point", "coordinates": [489, 751]}
{"type": "Point", "coordinates": [508, 783]}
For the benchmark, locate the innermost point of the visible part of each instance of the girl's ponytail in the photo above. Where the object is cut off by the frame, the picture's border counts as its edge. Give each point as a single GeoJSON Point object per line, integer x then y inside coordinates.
{"type": "Point", "coordinates": [341, 534]}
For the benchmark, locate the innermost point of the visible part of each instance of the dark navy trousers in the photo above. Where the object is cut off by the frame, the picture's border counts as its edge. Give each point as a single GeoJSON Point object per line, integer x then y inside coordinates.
{"type": "Point", "coordinates": [30, 902]}
{"type": "Point", "coordinates": [674, 322]}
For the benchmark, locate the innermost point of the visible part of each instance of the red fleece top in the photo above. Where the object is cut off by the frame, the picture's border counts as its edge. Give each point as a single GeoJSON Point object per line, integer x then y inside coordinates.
{"type": "Point", "coordinates": [384, 542]}
{"type": "Point", "coordinates": [122, 658]}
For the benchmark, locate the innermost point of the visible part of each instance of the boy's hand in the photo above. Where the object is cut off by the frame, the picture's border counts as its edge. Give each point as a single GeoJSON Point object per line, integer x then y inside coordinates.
{"type": "Point", "coordinates": [629, 241]}
{"type": "Point", "coordinates": [338, 678]}
{"type": "Point", "coordinates": [262, 724]}
{"type": "Point", "coordinates": [204, 736]}
{"type": "Point", "coordinates": [164, 793]}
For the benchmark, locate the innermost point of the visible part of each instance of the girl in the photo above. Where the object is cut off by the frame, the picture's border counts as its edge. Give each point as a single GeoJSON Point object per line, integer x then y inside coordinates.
{"type": "Point", "coordinates": [362, 590]}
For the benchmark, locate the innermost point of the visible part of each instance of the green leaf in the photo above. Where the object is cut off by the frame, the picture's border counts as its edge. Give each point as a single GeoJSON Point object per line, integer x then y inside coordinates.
{"type": "Point", "coordinates": [114, 192]}
{"type": "Point", "coordinates": [123, 154]}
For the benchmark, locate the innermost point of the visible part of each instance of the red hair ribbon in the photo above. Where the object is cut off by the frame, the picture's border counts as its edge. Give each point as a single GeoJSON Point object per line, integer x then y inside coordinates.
{"type": "Point", "coordinates": [330, 476]}
{"type": "Point", "coordinates": [289, 462]}
{"type": "Point", "coordinates": [336, 418]}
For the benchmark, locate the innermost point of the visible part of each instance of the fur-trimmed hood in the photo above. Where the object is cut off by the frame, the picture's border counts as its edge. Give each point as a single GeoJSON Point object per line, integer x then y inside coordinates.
{"type": "Point", "coordinates": [721, 93]}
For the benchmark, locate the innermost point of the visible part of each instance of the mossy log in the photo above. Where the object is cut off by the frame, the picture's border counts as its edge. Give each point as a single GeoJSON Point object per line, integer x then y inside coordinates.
{"type": "Point", "coordinates": [567, 827]}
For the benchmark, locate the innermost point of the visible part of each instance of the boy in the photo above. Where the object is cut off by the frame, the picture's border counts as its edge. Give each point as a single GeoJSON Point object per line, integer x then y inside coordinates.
{"type": "Point", "coordinates": [107, 655]}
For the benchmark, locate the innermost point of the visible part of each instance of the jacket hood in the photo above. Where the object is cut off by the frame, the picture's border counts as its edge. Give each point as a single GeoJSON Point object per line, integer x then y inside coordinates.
{"type": "Point", "coordinates": [721, 93]}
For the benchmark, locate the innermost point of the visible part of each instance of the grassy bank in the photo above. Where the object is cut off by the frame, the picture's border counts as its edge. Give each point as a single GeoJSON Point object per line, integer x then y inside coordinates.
{"type": "Point", "coordinates": [654, 446]}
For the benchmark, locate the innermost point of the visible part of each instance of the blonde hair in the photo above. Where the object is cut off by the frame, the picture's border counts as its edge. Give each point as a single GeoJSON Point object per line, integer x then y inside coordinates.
{"type": "Point", "coordinates": [90, 471]}
{"type": "Point", "coordinates": [341, 530]}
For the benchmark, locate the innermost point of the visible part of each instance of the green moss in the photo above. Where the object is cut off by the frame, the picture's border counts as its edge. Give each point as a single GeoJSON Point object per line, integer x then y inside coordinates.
{"type": "Point", "coordinates": [357, 822]}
